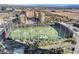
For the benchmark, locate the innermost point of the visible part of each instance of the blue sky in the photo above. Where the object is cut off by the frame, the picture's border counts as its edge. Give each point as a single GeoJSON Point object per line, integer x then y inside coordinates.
{"type": "Point", "coordinates": [48, 4]}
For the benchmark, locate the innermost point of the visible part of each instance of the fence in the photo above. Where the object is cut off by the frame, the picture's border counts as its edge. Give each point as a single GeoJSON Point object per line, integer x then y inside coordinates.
{"type": "Point", "coordinates": [63, 32]}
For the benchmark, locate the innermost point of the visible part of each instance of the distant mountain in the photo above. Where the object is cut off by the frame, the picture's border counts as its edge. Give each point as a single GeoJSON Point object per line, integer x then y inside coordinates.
{"type": "Point", "coordinates": [54, 5]}
{"type": "Point", "coordinates": [32, 5]}
{"type": "Point", "coordinates": [75, 6]}
{"type": "Point", "coordinates": [72, 6]}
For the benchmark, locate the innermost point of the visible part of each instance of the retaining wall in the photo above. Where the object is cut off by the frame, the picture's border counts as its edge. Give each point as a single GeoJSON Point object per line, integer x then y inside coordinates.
{"type": "Point", "coordinates": [63, 30]}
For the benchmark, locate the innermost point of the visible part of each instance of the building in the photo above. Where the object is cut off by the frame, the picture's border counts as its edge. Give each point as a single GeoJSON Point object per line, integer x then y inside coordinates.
{"type": "Point", "coordinates": [14, 47]}
{"type": "Point", "coordinates": [29, 13]}
{"type": "Point", "coordinates": [1, 32]}
{"type": "Point", "coordinates": [23, 18]}
{"type": "Point", "coordinates": [42, 17]}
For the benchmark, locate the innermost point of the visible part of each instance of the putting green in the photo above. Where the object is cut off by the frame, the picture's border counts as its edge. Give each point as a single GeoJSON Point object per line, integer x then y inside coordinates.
{"type": "Point", "coordinates": [35, 32]}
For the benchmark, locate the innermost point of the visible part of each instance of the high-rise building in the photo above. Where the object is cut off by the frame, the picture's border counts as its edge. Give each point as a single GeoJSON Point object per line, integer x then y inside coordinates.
{"type": "Point", "coordinates": [42, 16]}
{"type": "Point", "coordinates": [23, 18]}
{"type": "Point", "coordinates": [29, 13]}
{"type": "Point", "coordinates": [36, 14]}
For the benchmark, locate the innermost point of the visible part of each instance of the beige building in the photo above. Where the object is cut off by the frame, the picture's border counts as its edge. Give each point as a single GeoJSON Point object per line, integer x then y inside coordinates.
{"type": "Point", "coordinates": [23, 18]}
{"type": "Point", "coordinates": [36, 14]}
{"type": "Point", "coordinates": [3, 15]}
{"type": "Point", "coordinates": [42, 16]}
{"type": "Point", "coordinates": [29, 13]}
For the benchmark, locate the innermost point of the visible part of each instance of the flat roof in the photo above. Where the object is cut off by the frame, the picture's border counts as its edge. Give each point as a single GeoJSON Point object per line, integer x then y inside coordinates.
{"type": "Point", "coordinates": [1, 29]}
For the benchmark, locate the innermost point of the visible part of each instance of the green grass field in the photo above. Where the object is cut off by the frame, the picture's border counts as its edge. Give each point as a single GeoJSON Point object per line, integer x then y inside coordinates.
{"type": "Point", "coordinates": [39, 32]}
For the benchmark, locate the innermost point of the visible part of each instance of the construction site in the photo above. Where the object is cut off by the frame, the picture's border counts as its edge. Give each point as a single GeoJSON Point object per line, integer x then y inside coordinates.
{"type": "Point", "coordinates": [38, 31]}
